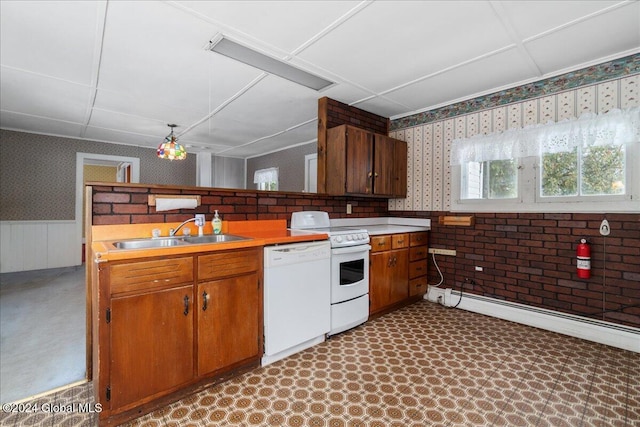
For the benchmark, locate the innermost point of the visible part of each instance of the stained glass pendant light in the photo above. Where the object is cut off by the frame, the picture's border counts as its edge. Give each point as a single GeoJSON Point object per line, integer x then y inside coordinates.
{"type": "Point", "coordinates": [171, 149]}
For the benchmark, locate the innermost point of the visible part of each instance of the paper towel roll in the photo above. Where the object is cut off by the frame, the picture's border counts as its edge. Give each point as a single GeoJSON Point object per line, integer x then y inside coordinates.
{"type": "Point", "coordinates": [171, 204]}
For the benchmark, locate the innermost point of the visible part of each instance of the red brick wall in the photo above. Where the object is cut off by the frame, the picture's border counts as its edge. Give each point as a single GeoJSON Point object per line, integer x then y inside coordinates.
{"type": "Point", "coordinates": [127, 204]}
{"type": "Point", "coordinates": [341, 114]}
{"type": "Point", "coordinates": [530, 258]}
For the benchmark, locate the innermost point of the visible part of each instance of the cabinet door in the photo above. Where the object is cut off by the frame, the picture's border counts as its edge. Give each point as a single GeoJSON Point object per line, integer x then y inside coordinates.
{"type": "Point", "coordinates": [359, 165]}
{"type": "Point", "coordinates": [383, 167]}
{"type": "Point", "coordinates": [151, 344]}
{"type": "Point", "coordinates": [229, 319]}
{"type": "Point", "coordinates": [400, 169]}
{"type": "Point", "coordinates": [379, 283]}
{"type": "Point", "coordinates": [399, 286]}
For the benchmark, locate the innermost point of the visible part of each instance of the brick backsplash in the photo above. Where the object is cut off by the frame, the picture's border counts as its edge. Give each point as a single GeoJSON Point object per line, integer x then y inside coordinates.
{"type": "Point", "coordinates": [127, 204]}
{"type": "Point", "coordinates": [530, 258]}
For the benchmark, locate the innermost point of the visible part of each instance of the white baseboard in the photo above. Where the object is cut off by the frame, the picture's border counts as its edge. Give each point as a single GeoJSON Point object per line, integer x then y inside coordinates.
{"type": "Point", "coordinates": [612, 334]}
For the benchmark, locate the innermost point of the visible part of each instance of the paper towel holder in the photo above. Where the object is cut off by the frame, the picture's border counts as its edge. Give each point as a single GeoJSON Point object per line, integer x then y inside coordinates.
{"type": "Point", "coordinates": [151, 200]}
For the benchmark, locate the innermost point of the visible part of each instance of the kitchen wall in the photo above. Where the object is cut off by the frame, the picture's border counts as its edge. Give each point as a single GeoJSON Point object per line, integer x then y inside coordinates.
{"type": "Point", "coordinates": [38, 173]}
{"type": "Point", "coordinates": [227, 172]}
{"type": "Point", "coordinates": [527, 258]}
{"type": "Point", "coordinates": [290, 164]}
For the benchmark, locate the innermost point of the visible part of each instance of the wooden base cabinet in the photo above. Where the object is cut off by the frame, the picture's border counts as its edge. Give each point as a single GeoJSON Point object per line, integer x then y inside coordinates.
{"type": "Point", "coordinates": [418, 257]}
{"type": "Point", "coordinates": [398, 270]}
{"type": "Point", "coordinates": [167, 326]}
{"type": "Point", "coordinates": [388, 272]}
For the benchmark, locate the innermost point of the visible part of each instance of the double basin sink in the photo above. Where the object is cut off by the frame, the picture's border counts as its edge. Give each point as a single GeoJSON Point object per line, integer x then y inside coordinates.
{"type": "Point", "coordinates": [165, 242]}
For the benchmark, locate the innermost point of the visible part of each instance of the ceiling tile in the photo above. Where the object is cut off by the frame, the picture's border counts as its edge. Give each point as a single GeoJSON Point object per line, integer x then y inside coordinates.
{"type": "Point", "coordinates": [26, 123]}
{"type": "Point", "coordinates": [382, 106]}
{"type": "Point", "coordinates": [530, 18]}
{"type": "Point", "coordinates": [282, 24]}
{"type": "Point", "coordinates": [153, 50]}
{"type": "Point", "coordinates": [468, 81]}
{"type": "Point", "coordinates": [113, 135]}
{"type": "Point", "coordinates": [590, 40]}
{"type": "Point", "coordinates": [390, 43]}
{"type": "Point", "coordinates": [45, 97]}
{"type": "Point", "coordinates": [160, 110]}
{"type": "Point", "coordinates": [51, 38]}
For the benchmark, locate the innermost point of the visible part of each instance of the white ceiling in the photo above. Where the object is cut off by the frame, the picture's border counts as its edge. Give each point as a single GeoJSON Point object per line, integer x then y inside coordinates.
{"type": "Point", "coordinates": [120, 71]}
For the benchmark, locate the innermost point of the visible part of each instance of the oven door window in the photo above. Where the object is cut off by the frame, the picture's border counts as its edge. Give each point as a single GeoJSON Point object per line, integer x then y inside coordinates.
{"type": "Point", "coordinates": [351, 272]}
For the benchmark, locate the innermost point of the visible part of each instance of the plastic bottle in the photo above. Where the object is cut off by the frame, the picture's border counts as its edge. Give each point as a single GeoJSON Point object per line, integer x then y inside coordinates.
{"type": "Point", "coordinates": [216, 222]}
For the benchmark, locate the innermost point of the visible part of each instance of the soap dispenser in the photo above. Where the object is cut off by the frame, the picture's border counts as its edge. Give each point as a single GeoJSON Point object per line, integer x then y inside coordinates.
{"type": "Point", "coordinates": [216, 222]}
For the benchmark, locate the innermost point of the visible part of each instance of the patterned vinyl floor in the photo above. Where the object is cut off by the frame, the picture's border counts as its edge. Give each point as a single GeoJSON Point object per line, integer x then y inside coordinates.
{"type": "Point", "coordinates": [424, 365]}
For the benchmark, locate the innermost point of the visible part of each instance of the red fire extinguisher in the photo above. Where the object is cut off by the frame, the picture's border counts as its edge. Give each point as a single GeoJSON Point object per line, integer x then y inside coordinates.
{"type": "Point", "coordinates": [584, 259]}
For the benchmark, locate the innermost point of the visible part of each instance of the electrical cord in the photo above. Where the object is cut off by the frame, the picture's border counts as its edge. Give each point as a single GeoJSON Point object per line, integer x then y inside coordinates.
{"type": "Point", "coordinates": [433, 256]}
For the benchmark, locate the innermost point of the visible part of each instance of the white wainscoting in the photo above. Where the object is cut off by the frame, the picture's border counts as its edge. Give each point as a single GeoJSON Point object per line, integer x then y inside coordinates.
{"type": "Point", "coordinates": [602, 332]}
{"type": "Point", "coordinates": [36, 245]}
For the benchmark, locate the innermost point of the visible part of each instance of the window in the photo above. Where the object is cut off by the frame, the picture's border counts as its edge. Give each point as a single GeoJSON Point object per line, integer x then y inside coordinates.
{"type": "Point", "coordinates": [493, 179]}
{"type": "Point", "coordinates": [266, 179]}
{"type": "Point", "coordinates": [586, 164]}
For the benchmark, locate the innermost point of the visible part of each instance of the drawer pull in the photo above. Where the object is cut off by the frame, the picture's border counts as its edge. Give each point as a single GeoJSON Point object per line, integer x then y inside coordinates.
{"type": "Point", "coordinates": [205, 301]}
{"type": "Point", "coordinates": [186, 305]}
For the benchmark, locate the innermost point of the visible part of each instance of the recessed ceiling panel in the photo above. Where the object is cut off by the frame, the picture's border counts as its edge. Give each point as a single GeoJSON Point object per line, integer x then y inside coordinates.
{"type": "Point", "coordinates": [283, 24]}
{"type": "Point", "coordinates": [390, 43]}
{"type": "Point", "coordinates": [51, 38]}
{"type": "Point", "coordinates": [591, 40]}
{"type": "Point", "coordinates": [473, 79]}
{"type": "Point", "coordinates": [37, 95]}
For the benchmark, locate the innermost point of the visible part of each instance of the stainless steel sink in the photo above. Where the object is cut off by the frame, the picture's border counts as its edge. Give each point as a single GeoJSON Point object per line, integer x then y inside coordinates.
{"type": "Point", "coordinates": [215, 238]}
{"type": "Point", "coordinates": [150, 243]}
{"type": "Point", "coordinates": [165, 242]}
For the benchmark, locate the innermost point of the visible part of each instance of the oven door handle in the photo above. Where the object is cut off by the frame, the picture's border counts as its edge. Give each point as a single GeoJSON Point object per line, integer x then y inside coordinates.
{"type": "Point", "coordinates": [350, 249]}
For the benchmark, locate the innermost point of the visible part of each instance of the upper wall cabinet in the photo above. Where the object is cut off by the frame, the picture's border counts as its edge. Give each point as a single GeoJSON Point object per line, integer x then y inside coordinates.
{"type": "Point", "coordinates": [364, 163]}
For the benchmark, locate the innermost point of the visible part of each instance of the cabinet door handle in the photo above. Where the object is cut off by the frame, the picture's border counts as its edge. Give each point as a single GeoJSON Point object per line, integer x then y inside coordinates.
{"type": "Point", "coordinates": [369, 175]}
{"type": "Point", "coordinates": [186, 305]}
{"type": "Point", "coordinates": [205, 301]}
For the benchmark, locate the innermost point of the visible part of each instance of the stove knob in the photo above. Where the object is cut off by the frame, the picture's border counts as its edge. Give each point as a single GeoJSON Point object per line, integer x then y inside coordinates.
{"type": "Point", "coordinates": [349, 237]}
{"type": "Point", "coordinates": [338, 239]}
{"type": "Point", "coordinates": [360, 236]}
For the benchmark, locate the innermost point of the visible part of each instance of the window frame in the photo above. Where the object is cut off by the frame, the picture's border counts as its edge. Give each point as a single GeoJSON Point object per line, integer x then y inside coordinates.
{"type": "Point", "coordinates": [530, 200]}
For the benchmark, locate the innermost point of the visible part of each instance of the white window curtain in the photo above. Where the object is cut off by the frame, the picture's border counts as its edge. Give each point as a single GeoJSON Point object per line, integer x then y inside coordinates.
{"type": "Point", "coordinates": [616, 127]}
{"type": "Point", "coordinates": [265, 177]}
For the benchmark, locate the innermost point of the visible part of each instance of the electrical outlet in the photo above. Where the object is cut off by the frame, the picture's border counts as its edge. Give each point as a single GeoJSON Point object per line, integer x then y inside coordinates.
{"type": "Point", "coordinates": [348, 208]}
{"type": "Point", "coordinates": [438, 251]}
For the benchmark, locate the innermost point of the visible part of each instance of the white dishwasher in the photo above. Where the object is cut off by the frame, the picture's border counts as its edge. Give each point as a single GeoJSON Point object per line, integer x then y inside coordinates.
{"type": "Point", "coordinates": [297, 298]}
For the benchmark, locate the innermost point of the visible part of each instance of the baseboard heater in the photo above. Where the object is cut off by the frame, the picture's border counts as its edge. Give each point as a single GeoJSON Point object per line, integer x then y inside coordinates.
{"type": "Point", "coordinates": [624, 337]}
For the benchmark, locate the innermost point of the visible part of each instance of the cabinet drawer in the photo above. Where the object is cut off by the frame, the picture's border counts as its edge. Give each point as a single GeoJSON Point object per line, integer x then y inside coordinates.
{"type": "Point", "coordinates": [417, 268]}
{"type": "Point", "coordinates": [380, 243]}
{"type": "Point", "coordinates": [421, 238]}
{"type": "Point", "coordinates": [150, 274]}
{"type": "Point", "coordinates": [399, 241]}
{"type": "Point", "coordinates": [418, 252]}
{"type": "Point", "coordinates": [228, 263]}
{"type": "Point", "coordinates": [418, 286]}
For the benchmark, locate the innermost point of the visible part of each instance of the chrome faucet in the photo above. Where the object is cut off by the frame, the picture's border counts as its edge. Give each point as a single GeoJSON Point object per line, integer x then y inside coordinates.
{"type": "Point", "coordinates": [199, 220]}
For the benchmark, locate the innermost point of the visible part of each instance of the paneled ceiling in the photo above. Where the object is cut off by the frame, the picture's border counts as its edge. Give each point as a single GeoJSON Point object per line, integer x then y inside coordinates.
{"type": "Point", "coordinates": [120, 71]}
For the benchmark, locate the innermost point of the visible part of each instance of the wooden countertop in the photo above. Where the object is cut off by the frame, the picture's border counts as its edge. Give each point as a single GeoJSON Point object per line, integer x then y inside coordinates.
{"type": "Point", "coordinates": [260, 233]}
